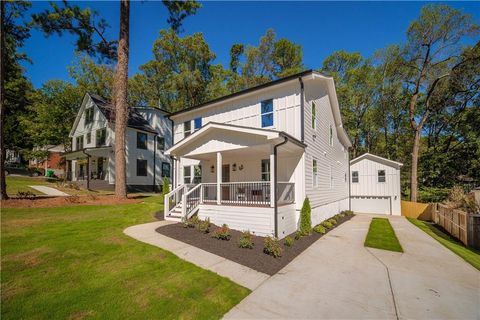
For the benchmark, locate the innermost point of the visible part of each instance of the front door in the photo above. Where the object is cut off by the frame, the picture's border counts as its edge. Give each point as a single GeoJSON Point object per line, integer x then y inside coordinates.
{"type": "Point", "coordinates": [226, 178]}
{"type": "Point", "coordinates": [100, 174]}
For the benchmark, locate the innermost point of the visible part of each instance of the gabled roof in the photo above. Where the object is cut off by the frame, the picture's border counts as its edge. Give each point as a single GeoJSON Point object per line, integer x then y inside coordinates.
{"type": "Point", "coordinates": [379, 159]}
{"type": "Point", "coordinates": [135, 119]}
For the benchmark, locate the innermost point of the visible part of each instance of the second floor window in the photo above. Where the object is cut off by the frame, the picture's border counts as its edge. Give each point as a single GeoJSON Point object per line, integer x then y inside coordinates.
{"type": "Point", "coordinates": [197, 123]}
{"type": "Point", "coordinates": [161, 143]}
{"type": "Point", "coordinates": [267, 113]}
{"type": "Point", "coordinates": [354, 176]}
{"type": "Point", "coordinates": [88, 115]}
{"type": "Point", "coordinates": [381, 176]}
{"type": "Point", "coordinates": [79, 143]}
{"type": "Point", "coordinates": [101, 137]}
{"type": "Point", "coordinates": [141, 140]}
{"type": "Point", "coordinates": [187, 128]}
{"type": "Point", "coordinates": [89, 138]}
{"type": "Point", "coordinates": [314, 116]}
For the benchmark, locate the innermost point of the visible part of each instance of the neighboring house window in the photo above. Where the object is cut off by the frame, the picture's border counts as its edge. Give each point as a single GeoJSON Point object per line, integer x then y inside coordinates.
{"type": "Point", "coordinates": [101, 137]}
{"type": "Point", "coordinates": [314, 116]}
{"type": "Point", "coordinates": [161, 143]}
{"type": "Point", "coordinates": [355, 176]}
{"type": "Point", "coordinates": [88, 115]}
{"type": "Point", "coordinates": [79, 143]}
{"type": "Point", "coordinates": [141, 168]}
{"type": "Point", "coordinates": [166, 169]}
{"type": "Point", "coordinates": [197, 174]}
{"type": "Point", "coordinates": [314, 173]}
{"type": "Point", "coordinates": [187, 128]}
{"type": "Point", "coordinates": [187, 174]}
{"type": "Point", "coordinates": [266, 170]}
{"type": "Point", "coordinates": [267, 113]}
{"type": "Point", "coordinates": [142, 140]}
{"type": "Point", "coordinates": [197, 123]}
{"type": "Point", "coordinates": [89, 138]}
{"type": "Point", "coordinates": [381, 175]}
{"type": "Point", "coordinates": [331, 135]}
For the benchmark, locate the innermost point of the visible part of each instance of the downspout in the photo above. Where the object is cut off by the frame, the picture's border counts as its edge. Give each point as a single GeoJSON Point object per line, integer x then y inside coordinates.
{"type": "Point", "coordinates": [302, 109]}
{"type": "Point", "coordinates": [172, 159]}
{"type": "Point", "coordinates": [349, 182]}
{"type": "Point", "coordinates": [275, 207]}
{"type": "Point", "coordinates": [154, 162]}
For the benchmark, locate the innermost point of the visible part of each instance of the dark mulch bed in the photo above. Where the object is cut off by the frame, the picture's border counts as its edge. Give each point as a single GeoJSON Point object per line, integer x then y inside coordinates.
{"type": "Point", "coordinates": [253, 258]}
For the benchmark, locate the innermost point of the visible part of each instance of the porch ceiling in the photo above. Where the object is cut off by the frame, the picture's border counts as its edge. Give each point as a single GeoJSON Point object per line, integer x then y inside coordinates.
{"type": "Point", "coordinates": [94, 152]}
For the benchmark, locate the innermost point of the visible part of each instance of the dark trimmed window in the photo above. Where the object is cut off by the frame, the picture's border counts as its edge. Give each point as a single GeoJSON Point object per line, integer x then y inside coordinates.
{"type": "Point", "coordinates": [166, 169]}
{"type": "Point", "coordinates": [381, 176]}
{"type": "Point", "coordinates": [89, 138]}
{"type": "Point", "coordinates": [79, 143]}
{"type": "Point", "coordinates": [197, 123]}
{"type": "Point", "coordinates": [101, 137]}
{"type": "Point", "coordinates": [161, 143]}
{"type": "Point", "coordinates": [187, 128]}
{"type": "Point", "coordinates": [141, 168]}
{"type": "Point", "coordinates": [354, 176]}
{"type": "Point", "coordinates": [88, 115]}
{"type": "Point", "coordinates": [142, 140]}
{"type": "Point", "coordinates": [267, 113]}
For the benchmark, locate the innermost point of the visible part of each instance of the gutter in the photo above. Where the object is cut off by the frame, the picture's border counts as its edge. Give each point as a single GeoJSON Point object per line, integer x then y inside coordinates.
{"type": "Point", "coordinates": [275, 208]}
{"type": "Point", "coordinates": [302, 109]}
{"type": "Point", "coordinates": [172, 159]}
{"type": "Point", "coordinates": [88, 168]}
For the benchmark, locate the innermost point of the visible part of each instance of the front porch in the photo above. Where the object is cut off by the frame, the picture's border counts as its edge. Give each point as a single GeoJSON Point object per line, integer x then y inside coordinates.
{"type": "Point", "coordinates": [89, 167]}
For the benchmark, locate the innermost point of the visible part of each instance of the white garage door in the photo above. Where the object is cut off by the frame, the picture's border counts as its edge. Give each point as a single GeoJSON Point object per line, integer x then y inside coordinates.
{"type": "Point", "coordinates": [379, 205]}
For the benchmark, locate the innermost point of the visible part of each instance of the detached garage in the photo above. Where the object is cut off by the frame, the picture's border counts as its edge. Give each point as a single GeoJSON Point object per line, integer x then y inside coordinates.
{"type": "Point", "coordinates": [375, 185]}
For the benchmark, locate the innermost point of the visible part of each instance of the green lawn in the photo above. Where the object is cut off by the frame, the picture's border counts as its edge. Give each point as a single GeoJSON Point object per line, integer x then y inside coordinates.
{"type": "Point", "coordinates": [381, 236]}
{"type": "Point", "coordinates": [75, 262]}
{"type": "Point", "coordinates": [470, 255]}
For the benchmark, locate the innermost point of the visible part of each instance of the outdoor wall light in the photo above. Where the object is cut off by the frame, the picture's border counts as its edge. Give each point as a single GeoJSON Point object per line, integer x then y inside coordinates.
{"type": "Point", "coordinates": [240, 167]}
{"type": "Point", "coordinates": [234, 167]}
{"type": "Point", "coordinates": [212, 169]}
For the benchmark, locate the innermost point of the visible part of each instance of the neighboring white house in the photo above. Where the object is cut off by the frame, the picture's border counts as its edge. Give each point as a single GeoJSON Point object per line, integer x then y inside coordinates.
{"type": "Point", "coordinates": [375, 185]}
{"type": "Point", "coordinates": [249, 159]}
{"type": "Point", "coordinates": [148, 135]}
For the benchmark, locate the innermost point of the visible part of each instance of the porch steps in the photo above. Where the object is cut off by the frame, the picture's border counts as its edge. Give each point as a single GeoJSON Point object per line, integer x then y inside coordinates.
{"type": "Point", "coordinates": [175, 214]}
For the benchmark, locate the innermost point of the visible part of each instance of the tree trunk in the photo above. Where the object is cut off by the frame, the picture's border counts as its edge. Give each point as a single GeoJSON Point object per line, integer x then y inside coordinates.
{"type": "Point", "coordinates": [414, 171]}
{"type": "Point", "coordinates": [120, 101]}
{"type": "Point", "coordinates": [3, 184]}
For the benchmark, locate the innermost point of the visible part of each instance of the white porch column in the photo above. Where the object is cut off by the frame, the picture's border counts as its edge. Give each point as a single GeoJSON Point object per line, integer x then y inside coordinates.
{"type": "Point", "coordinates": [272, 177]}
{"type": "Point", "coordinates": [219, 177]}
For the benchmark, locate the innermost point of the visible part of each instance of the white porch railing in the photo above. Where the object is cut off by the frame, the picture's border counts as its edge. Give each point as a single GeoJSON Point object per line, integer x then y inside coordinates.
{"type": "Point", "coordinates": [191, 200]}
{"type": "Point", "coordinates": [245, 193]}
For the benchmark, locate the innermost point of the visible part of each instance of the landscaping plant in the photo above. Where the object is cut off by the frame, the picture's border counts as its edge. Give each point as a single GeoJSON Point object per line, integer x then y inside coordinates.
{"type": "Point", "coordinates": [191, 222]}
{"type": "Point", "coordinates": [272, 247]}
{"type": "Point", "coordinates": [327, 224]}
{"type": "Point", "coordinates": [319, 229]}
{"type": "Point", "coordinates": [166, 186]}
{"type": "Point", "coordinates": [332, 221]}
{"type": "Point", "coordinates": [246, 240]}
{"type": "Point", "coordinates": [288, 241]}
{"type": "Point", "coordinates": [305, 218]}
{"type": "Point", "coordinates": [222, 233]}
{"type": "Point", "coordinates": [203, 225]}
{"type": "Point", "coordinates": [298, 235]}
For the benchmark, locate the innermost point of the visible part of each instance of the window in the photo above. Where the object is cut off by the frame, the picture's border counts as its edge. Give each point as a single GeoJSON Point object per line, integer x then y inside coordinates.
{"type": "Point", "coordinates": [79, 143]}
{"type": "Point", "coordinates": [197, 174]}
{"type": "Point", "coordinates": [89, 138]}
{"type": "Point", "coordinates": [197, 123]}
{"type": "Point", "coordinates": [187, 128]}
{"type": "Point", "coordinates": [161, 143]}
{"type": "Point", "coordinates": [381, 175]}
{"type": "Point", "coordinates": [166, 169]}
{"type": "Point", "coordinates": [314, 116]}
{"type": "Point", "coordinates": [187, 174]}
{"type": "Point", "coordinates": [101, 137]}
{"type": "Point", "coordinates": [266, 170]}
{"type": "Point", "coordinates": [142, 140]}
{"type": "Point", "coordinates": [354, 176]}
{"type": "Point", "coordinates": [267, 113]}
{"type": "Point", "coordinates": [331, 135]}
{"type": "Point", "coordinates": [314, 173]}
{"type": "Point", "coordinates": [141, 168]}
{"type": "Point", "coordinates": [88, 115]}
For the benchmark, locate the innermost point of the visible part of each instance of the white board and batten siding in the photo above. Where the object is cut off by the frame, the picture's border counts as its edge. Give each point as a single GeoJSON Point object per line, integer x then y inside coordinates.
{"type": "Point", "coordinates": [369, 195]}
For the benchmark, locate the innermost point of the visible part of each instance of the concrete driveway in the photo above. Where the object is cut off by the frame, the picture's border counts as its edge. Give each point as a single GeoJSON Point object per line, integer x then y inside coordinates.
{"type": "Point", "coordinates": [338, 278]}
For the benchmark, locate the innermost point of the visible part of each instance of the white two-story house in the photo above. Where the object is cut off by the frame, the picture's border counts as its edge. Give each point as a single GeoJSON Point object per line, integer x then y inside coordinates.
{"type": "Point", "coordinates": [148, 136]}
{"type": "Point", "coordinates": [249, 159]}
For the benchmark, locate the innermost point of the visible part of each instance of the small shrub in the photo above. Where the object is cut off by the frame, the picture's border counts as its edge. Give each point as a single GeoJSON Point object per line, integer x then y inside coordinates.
{"type": "Point", "coordinates": [203, 225]}
{"type": "Point", "coordinates": [222, 233]}
{"type": "Point", "coordinates": [298, 235]}
{"type": "Point", "coordinates": [332, 221]}
{"type": "Point", "coordinates": [165, 186]}
{"type": "Point", "coordinates": [348, 212]}
{"type": "Point", "coordinates": [272, 247]}
{"type": "Point", "coordinates": [306, 218]}
{"type": "Point", "coordinates": [319, 229]}
{"type": "Point", "coordinates": [191, 223]}
{"type": "Point", "coordinates": [327, 224]}
{"type": "Point", "coordinates": [246, 240]}
{"type": "Point", "coordinates": [288, 241]}
{"type": "Point", "coordinates": [25, 195]}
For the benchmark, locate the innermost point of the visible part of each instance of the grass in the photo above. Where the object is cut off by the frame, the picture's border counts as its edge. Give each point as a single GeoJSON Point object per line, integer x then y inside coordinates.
{"type": "Point", "coordinates": [382, 236]}
{"type": "Point", "coordinates": [471, 256]}
{"type": "Point", "coordinates": [75, 262]}
{"type": "Point", "coordinates": [22, 183]}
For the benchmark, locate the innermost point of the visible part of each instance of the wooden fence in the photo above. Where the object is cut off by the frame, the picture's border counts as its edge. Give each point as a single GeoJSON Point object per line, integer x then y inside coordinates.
{"type": "Point", "coordinates": [461, 225]}
{"type": "Point", "coordinates": [417, 210]}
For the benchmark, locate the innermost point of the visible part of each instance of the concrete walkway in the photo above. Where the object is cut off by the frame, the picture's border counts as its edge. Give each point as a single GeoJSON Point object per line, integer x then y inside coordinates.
{"type": "Point", "coordinates": [337, 277]}
{"type": "Point", "coordinates": [50, 191]}
{"type": "Point", "coordinates": [238, 273]}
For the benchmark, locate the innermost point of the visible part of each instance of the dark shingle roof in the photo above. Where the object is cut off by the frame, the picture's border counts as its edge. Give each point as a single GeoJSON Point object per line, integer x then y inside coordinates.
{"type": "Point", "coordinates": [135, 119]}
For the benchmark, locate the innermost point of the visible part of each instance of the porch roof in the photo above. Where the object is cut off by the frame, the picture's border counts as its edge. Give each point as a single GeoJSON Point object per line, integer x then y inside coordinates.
{"type": "Point", "coordinates": [83, 153]}
{"type": "Point", "coordinates": [247, 137]}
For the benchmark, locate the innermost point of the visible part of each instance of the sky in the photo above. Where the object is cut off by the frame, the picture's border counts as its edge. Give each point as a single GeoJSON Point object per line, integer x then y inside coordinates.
{"type": "Point", "coordinates": [321, 28]}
